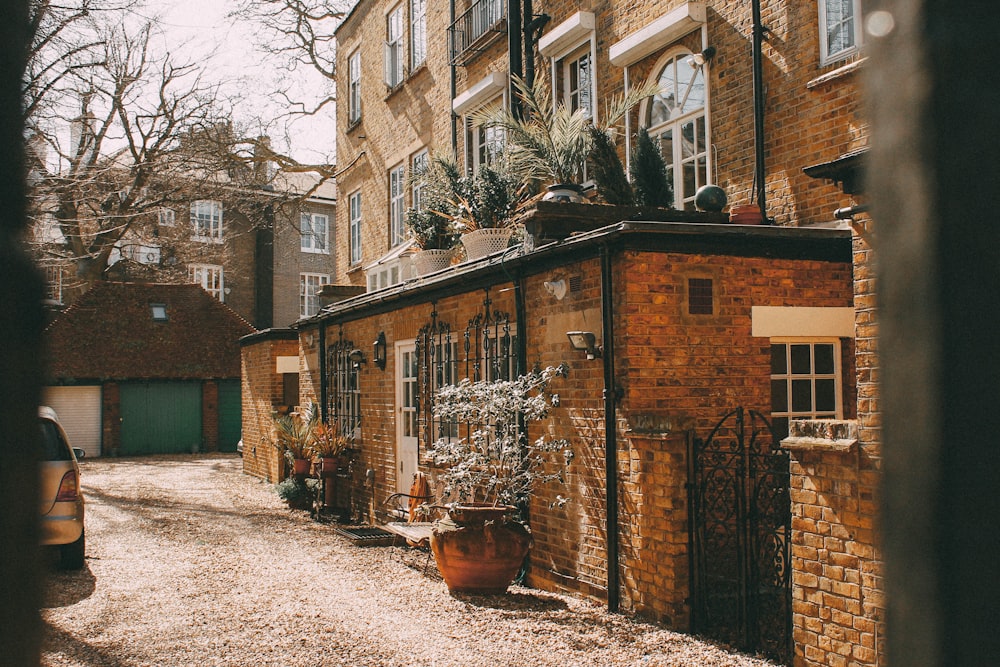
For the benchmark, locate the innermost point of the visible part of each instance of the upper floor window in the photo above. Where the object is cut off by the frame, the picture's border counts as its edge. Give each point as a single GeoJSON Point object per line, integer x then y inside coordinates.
{"type": "Point", "coordinates": [314, 231]}
{"type": "Point", "coordinates": [418, 33]}
{"type": "Point", "coordinates": [53, 284]}
{"type": "Point", "coordinates": [354, 87]}
{"type": "Point", "coordinates": [166, 217]}
{"type": "Point", "coordinates": [575, 80]}
{"type": "Point", "coordinates": [354, 216]}
{"type": "Point", "coordinates": [397, 206]}
{"type": "Point", "coordinates": [394, 47]}
{"type": "Point", "coordinates": [675, 118]}
{"type": "Point", "coordinates": [209, 276]}
{"type": "Point", "coordinates": [309, 287]}
{"type": "Point", "coordinates": [483, 141]}
{"type": "Point", "coordinates": [420, 163]}
{"type": "Point", "coordinates": [206, 220]}
{"type": "Point", "coordinates": [839, 34]}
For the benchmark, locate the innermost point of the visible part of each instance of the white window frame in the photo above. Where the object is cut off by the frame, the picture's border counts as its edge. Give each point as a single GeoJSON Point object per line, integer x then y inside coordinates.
{"type": "Point", "coordinates": [166, 217]}
{"type": "Point", "coordinates": [397, 205]}
{"type": "Point", "coordinates": [826, 56]}
{"type": "Point", "coordinates": [418, 33]}
{"type": "Point", "coordinates": [354, 223]}
{"type": "Point", "coordinates": [210, 277]}
{"type": "Point", "coordinates": [354, 87]}
{"type": "Point", "coordinates": [393, 63]}
{"type": "Point", "coordinates": [418, 163]}
{"type": "Point", "coordinates": [309, 287]}
{"type": "Point", "coordinates": [812, 376]}
{"type": "Point", "coordinates": [482, 142]}
{"type": "Point", "coordinates": [54, 284]}
{"type": "Point", "coordinates": [314, 233]}
{"type": "Point", "coordinates": [680, 61]}
{"type": "Point", "coordinates": [206, 220]}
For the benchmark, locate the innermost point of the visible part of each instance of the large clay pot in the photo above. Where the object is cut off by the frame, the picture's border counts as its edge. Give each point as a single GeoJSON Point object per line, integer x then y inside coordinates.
{"type": "Point", "coordinates": [747, 214]}
{"type": "Point", "coordinates": [301, 467]}
{"type": "Point", "coordinates": [479, 548]}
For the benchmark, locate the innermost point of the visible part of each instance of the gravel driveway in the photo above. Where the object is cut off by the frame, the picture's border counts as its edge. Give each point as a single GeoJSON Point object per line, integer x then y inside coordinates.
{"type": "Point", "coordinates": [190, 562]}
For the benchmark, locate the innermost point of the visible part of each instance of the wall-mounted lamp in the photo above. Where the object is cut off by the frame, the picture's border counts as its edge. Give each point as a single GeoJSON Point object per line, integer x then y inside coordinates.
{"type": "Point", "coordinates": [585, 341]}
{"type": "Point", "coordinates": [357, 358]}
{"type": "Point", "coordinates": [699, 59]}
{"type": "Point", "coordinates": [378, 350]}
{"type": "Point", "coordinates": [556, 288]}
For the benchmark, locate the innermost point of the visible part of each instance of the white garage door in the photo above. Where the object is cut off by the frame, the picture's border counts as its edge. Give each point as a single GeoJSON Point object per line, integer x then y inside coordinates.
{"type": "Point", "coordinates": [79, 410]}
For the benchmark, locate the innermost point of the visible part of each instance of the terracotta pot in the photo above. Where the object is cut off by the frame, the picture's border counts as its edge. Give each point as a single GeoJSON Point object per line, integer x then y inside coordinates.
{"type": "Point", "coordinates": [328, 465]}
{"type": "Point", "coordinates": [300, 467]}
{"type": "Point", "coordinates": [747, 214]}
{"type": "Point", "coordinates": [480, 243]}
{"type": "Point", "coordinates": [430, 261]}
{"type": "Point", "coordinates": [483, 553]}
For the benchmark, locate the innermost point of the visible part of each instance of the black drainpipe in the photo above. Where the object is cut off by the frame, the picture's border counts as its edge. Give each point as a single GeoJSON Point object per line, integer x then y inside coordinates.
{"type": "Point", "coordinates": [454, 84]}
{"type": "Point", "coordinates": [610, 427]}
{"type": "Point", "coordinates": [758, 109]}
{"type": "Point", "coordinates": [514, 49]}
{"type": "Point", "coordinates": [323, 389]}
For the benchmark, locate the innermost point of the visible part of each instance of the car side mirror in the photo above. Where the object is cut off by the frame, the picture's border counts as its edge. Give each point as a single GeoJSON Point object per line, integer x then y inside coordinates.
{"type": "Point", "coordinates": [79, 453]}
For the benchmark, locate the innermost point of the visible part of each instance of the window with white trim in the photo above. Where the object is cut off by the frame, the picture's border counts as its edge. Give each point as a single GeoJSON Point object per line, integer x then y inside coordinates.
{"type": "Point", "coordinates": [418, 33]}
{"type": "Point", "coordinates": [675, 118]}
{"type": "Point", "coordinates": [419, 164]}
{"type": "Point", "coordinates": [209, 276]}
{"type": "Point", "coordinates": [354, 87]}
{"type": "Point", "coordinates": [394, 47]}
{"type": "Point", "coordinates": [483, 142]}
{"type": "Point", "coordinates": [309, 287]}
{"type": "Point", "coordinates": [314, 232]}
{"type": "Point", "coordinates": [166, 217]}
{"type": "Point", "coordinates": [206, 220]}
{"type": "Point", "coordinates": [839, 29]}
{"type": "Point", "coordinates": [53, 284]}
{"type": "Point", "coordinates": [575, 80]}
{"type": "Point", "coordinates": [354, 217]}
{"type": "Point", "coordinates": [397, 206]}
{"type": "Point", "coordinates": [806, 381]}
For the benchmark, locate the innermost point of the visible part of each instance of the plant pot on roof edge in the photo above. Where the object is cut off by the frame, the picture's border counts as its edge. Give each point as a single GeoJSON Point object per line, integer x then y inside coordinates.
{"type": "Point", "coordinates": [745, 214]}
{"type": "Point", "coordinates": [480, 546]}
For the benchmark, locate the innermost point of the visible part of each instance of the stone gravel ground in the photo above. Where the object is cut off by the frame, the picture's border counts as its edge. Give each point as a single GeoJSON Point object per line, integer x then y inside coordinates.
{"type": "Point", "coordinates": [190, 562]}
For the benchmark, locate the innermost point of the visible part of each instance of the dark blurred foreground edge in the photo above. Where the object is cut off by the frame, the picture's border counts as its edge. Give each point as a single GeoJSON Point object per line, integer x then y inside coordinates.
{"type": "Point", "coordinates": [20, 366]}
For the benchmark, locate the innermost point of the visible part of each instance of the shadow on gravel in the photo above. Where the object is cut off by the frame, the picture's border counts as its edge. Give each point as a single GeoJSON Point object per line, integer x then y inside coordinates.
{"type": "Point", "coordinates": [514, 601]}
{"type": "Point", "coordinates": [67, 587]}
{"type": "Point", "coordinates": [58, 641]}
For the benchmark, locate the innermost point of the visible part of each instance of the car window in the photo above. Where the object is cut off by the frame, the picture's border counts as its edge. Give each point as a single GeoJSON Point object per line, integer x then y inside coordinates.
{"type": "Point", "coordinates": [54, 447]}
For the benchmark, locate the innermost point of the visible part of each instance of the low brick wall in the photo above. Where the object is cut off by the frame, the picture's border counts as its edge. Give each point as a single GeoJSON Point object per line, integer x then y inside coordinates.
{"type": "Point", "coordinates": [262, 393]}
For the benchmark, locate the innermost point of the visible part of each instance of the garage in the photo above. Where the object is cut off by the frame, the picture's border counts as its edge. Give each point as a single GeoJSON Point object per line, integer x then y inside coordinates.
{"type": "Point", "coordinates": [160, 417]}
{"type": "Point", "coordinates": [79, 411]}
{"type": "Point", "coordinates": [230, 415]}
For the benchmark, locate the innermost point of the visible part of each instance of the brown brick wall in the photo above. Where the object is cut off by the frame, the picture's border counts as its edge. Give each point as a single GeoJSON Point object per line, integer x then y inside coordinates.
{"type": "Point", "coordinates": [111, 422]}
{"type": "Point", "coordinates": [210, 416]}
{"type": "Point", "coordinates": [262, 391]}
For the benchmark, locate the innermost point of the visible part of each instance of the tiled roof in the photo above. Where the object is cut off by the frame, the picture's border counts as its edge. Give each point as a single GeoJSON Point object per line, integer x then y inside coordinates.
{"type": "Point", "coordinates": [110, 334]}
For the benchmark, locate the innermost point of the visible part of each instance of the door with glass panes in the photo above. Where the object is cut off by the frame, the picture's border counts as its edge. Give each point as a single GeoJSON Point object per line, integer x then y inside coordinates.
{"type": "Point", "coordinates": [406, 414]}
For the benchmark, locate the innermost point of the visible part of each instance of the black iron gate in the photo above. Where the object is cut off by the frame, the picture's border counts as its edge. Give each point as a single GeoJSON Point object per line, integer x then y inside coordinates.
{"type": "Point", "coordinates": [740, 534]}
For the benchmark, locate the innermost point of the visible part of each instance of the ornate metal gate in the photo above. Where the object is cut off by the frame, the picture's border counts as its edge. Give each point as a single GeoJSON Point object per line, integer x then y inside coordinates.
{"type": "Point", "coordinates": [740, 534]}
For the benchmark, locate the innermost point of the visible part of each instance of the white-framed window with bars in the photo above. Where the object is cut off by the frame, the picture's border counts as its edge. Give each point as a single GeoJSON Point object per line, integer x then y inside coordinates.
{"type": "Point", "coordinates": [206, 220]}
{"type": "Point", "coordinates": [309, 287]}
{"type": "Point", "coordinates": [418, 165]}
{"type": "Point", "coordinates": [397, 205]}
{"type": "Point", "coordinates": [354, 87]}
{"type": "Point", "coordinates": [806, 380]}
{"type": "Point", "coordinates": [418, 33]}
{"type": "Point", "coordinates": [394, 47]}
{"type": "Point", "coordinates": [314, 230]}
{"type": "Point", "coordinates": [210, 277]}
{"type": "Point", "coordinates": [354, 218]}
{"type": "Point", "coordinates": [839, 29]}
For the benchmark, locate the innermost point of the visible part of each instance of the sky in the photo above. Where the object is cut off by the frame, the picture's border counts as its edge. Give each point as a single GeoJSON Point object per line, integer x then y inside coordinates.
{"type": "Point", "coordinates": [229, 49]}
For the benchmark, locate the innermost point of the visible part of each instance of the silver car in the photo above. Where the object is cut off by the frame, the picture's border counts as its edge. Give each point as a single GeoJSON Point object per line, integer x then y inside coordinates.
{"type": "Point", "coordinates": [60, 493]}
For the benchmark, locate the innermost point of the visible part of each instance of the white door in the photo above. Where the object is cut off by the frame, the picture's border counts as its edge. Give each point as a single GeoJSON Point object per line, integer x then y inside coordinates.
{"type": "Point", "coordinates": [79, 411]}
{"type": "Point", "coordinates": [406, 415]}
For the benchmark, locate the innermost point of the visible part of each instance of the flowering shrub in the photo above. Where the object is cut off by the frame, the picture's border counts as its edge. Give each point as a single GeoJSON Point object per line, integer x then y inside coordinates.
{"type": "Point", "coordinates": [495, 463]}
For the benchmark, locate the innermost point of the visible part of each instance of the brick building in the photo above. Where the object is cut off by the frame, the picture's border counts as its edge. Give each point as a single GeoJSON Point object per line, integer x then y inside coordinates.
{"type": "Point", "coordinates": [780, 126]}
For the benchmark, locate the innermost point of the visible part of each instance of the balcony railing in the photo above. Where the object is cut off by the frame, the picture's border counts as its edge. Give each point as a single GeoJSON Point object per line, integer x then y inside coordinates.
{"type": "Point", "coordinates": [484, 21]}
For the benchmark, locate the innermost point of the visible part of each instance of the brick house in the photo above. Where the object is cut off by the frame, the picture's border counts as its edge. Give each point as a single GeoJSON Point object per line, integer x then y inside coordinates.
{"type": "Point", "coordinates": [412, 75]}
{"type": "Point", "coordinates": [146, 368]}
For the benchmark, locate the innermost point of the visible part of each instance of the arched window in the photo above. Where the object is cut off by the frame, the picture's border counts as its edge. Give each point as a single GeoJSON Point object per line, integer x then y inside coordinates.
{"type": "Point", "coordinates": [675, 119]}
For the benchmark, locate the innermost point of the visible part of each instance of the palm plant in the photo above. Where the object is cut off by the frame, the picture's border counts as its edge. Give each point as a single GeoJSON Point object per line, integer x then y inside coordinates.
{"type": "Point", "coordinates": [552, 143]}
{"type": "Point", "coordinates": [295, 433]}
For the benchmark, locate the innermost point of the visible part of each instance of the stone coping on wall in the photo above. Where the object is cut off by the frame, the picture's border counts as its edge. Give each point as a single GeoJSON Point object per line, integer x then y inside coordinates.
{"type": "Point", "coordinates": [821, 435]}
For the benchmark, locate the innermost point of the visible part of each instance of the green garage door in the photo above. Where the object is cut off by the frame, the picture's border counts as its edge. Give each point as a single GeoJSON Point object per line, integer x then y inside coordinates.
{"type": "Point", "coordinates": [230, 415]}
{"type": "Point", "coordinates": [160, 417]}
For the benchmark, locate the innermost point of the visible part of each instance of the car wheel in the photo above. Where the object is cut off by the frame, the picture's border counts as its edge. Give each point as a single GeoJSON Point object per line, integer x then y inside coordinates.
{"type": "Point", "coordinates": [71, 555]}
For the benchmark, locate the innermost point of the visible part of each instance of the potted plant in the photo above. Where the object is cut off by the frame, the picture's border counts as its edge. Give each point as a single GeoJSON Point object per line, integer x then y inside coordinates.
{"type": "Point", "coordinates": [551, 144]}
{"type": "Point", "coordinates": [329, 444]}
{"type": "Point", "coordinates": [432, 226]}
{"type": "Point", "coordinates": [294, 437]}
{"type": "Point", "coordinates": [298, 493]}
{"type": "Point", "coordinates": [480, 545]}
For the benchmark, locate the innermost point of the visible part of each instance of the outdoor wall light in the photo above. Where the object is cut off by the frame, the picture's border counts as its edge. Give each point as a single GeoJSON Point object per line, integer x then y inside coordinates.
{"type": "Point", "coordinates": [585, 341]}
{"type": "Point", "coordinates": [357, 358]}
{"type": "Point", "coordinates": [699, 59]}
{"type": "Point", "coordinates": [378, 350]}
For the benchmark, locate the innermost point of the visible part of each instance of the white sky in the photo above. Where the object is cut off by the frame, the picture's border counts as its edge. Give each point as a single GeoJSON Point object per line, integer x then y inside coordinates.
{"type": "Point", "coordinates": [202, 27]}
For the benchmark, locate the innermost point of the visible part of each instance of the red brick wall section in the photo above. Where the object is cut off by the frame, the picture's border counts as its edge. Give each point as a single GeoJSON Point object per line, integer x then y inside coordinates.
{"type": "Point", "coordinates": [111, 420]}
{"type": "Point", "coordinates": [210, 416]}
{"type": "Point", "coordinates": [262, 391]}
{"type": "Point", "coordinates": [837, 592]}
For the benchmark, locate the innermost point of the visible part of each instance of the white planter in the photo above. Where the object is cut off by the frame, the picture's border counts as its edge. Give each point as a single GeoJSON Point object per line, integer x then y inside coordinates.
{"type": "Point", "coordinates": [429, 261]}
{"type": "Point", "coordinates": [483, 242]}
